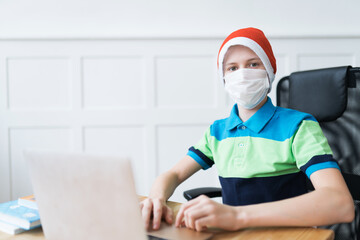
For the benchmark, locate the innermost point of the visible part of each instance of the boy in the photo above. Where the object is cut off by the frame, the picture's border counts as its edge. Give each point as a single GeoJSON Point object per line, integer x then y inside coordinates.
{"type": "Point", "coordinates": [261, 152]}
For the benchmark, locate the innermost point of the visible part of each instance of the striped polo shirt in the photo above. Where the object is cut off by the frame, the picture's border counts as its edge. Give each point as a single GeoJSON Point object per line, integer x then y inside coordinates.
{"type": "Point", "coordinates": [264, 159]}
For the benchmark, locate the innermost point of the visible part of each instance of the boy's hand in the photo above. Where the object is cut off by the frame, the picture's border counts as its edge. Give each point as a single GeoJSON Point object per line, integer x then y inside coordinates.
{"type": "Point", "coordinates": [156, 208]}
{"type": "Point", "coordinates": [202, 212]}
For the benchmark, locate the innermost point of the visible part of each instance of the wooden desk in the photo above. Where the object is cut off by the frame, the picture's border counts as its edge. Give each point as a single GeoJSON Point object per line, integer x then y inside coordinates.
{"type": "Point", "coordinates": [273, 233]}
{"type": "Point", "coordinates": [269, 233]}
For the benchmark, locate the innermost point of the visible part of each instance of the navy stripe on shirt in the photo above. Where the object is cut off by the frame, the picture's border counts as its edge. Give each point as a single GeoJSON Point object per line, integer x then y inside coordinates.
{"type": "Point", "coordinates": [245, 191]}
{"type": "Point", "coordinates": [207, 160]}
{"type": "Point", "coordinates": [318, 159]}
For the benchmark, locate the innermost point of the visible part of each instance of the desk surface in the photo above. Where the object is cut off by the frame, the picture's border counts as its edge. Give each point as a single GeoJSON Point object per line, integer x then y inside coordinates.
{"type": "Point", "coordinates": [273, 233]}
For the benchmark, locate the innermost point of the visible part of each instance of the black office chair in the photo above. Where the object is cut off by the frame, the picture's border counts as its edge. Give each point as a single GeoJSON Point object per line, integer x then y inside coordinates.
{"type": "Point", "coordinates": [332, 96]}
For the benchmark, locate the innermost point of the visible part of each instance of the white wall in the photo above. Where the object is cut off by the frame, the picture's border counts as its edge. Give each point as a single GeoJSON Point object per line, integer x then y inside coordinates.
{"type": "Point", "coordinates": [169, 18]}
{"type": "Point", "coordinates": [138, 78]}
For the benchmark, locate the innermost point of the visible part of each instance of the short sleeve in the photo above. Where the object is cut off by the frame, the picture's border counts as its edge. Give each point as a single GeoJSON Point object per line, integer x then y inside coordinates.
{"type": "Point", "coordinates": [201, 152]}
{"type": "Point", "coordinates": [311, 149]}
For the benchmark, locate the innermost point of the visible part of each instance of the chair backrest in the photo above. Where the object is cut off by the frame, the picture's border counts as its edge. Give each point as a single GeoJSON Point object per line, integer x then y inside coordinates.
{"type": "Point", "coordinates": [332, 96]}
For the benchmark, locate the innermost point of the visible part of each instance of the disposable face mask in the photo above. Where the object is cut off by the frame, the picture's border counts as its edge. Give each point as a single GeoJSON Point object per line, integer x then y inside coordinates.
{"type": "Point", "coordinates": [247, 87]}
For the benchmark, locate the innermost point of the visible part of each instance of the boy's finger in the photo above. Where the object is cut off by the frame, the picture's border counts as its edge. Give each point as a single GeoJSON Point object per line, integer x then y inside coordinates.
{"type": "Point", "coordinates": [146, 212]}
{"type": "Point", "coordinates": [168, 214]}
{"type": "Point", "coordinates": [182, 209]}
{"type": "Point", "coordinates": [192, 214]}
{"type": "Point", "coordinates": [179, 216]}
{"type": "Point", "coordinates": [201, 224]}
{"type": "Point", "coordinates": [157, 212]}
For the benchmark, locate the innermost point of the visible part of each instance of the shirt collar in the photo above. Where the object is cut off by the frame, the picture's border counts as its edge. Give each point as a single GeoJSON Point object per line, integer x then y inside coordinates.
{"type": "Point", "coordinates": [257, 121]}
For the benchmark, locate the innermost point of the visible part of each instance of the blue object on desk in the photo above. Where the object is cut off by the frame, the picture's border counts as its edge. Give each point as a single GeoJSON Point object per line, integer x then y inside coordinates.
{"type": "Point", "coordinates": [26, 218]}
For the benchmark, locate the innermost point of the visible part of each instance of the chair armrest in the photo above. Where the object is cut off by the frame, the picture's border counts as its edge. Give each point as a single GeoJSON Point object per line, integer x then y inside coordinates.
{"type": "Point", "coordinates": [208, 191]}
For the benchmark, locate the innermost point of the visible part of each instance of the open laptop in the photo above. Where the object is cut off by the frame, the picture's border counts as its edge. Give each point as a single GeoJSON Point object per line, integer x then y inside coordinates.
{"type": "Point", "coordinates": [83, 196]}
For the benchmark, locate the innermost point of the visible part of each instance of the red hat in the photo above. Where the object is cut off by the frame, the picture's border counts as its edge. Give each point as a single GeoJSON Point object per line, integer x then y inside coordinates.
{"type": "Point", "coordinates": [255, 40]}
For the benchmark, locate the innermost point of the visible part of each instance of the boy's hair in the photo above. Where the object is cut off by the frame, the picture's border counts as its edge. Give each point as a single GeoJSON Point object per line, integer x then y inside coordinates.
{"type": "Point", "coordinates": [254, 39]}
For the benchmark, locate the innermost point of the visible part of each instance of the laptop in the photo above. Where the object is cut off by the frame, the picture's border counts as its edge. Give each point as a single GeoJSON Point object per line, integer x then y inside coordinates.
{"type": "Point", "coordinates": [82, 196]}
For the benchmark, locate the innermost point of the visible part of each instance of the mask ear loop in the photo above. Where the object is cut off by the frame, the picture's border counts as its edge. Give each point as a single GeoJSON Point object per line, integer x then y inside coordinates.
{"type": "Point", "coordinates": [223, 73]}
{"type": "Point", "coordinates": [268, 78]}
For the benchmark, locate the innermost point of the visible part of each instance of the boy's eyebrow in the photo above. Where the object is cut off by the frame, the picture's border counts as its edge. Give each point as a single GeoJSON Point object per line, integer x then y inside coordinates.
{"type": "Point", "coordinates": [251, 59]}
{"type": "Point", "coordinates": [255, 58]}
{"type": "Point", "coordinates": [230, 63]}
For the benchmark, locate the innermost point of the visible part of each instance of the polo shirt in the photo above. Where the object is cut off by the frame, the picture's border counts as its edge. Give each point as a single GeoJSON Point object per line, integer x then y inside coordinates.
{"type": "Point", "coordinates": [264, 158]}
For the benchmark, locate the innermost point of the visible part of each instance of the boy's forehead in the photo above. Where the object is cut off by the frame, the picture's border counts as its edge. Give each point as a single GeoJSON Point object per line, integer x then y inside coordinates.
{"type": "Point", "coordinates": [239, 51]}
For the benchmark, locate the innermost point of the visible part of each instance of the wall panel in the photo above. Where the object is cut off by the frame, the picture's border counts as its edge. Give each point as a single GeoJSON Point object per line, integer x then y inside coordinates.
{"type": "Point", "coordinates": [308, 62]}
{"type": "Point", "coordinates": [185, 82]}
{"type": "Point", "coordinates": [113, 82]}
{"type": "Point", "coordinates": [59, 139]}
{"type": "Point", "coordinates": [38, 83]}
{"type": "Point", "coordinates": [127, 141]}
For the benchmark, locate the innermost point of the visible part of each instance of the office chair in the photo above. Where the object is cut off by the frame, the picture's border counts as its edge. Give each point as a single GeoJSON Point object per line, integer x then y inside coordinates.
{"type": "Point", "coordinates": [332, 96]}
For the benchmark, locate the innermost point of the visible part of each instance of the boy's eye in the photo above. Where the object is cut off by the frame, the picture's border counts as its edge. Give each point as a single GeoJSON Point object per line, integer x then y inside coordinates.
{"type": "Point", "coordinates": [253, 65]}
{"type": "Point", "coordinates": [233, 68]}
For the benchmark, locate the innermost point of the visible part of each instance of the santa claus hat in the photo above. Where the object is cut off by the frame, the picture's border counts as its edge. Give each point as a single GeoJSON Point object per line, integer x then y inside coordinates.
{"type": "Point", "coordinates": [255, 40]}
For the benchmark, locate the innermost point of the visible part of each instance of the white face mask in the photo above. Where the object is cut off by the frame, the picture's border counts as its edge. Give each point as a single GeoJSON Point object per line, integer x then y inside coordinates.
{"type": "Point", "coordinates": [247, 87]}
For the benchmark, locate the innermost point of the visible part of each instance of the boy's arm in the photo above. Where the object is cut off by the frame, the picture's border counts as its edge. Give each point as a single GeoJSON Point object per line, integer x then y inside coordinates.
{"type": "Point", "coordinates": [163, 188]}
{"type": "Point", "coordinates": [329, 203]}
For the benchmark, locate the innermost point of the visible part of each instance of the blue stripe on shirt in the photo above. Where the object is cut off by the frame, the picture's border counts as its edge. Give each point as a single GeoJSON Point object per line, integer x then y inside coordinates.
{"type": "Point", "coordinates": [313, 168]}
{"type": "Point", "coordinates": [198, 160]}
